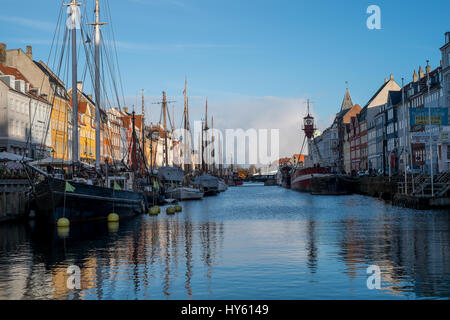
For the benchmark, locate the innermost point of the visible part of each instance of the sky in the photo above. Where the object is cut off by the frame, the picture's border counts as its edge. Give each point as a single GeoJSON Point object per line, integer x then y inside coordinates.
{"type": "Point", "coordinates": [257, 61]}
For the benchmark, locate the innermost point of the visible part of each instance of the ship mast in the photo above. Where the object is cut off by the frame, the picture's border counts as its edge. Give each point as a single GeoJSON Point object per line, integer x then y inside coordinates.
{"type": "Point", "coordinates": [206, 137]}
{"type": "Point", "coordinates": [186, 138]}
{"type": "Point", "coordinates": [164, 105]}
{"type": "Point", "coordinates": [74, 16]}
{"type": "Point", "coordinates": [97, 25]}
{"type": "Point", "coordinates": [143, 127]}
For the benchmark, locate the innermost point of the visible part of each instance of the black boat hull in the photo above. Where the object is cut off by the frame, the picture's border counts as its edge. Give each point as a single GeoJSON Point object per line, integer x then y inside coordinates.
{"type": "Point", "coordinates": [86, 203]}
{"type": "Point", "coordinates": [333, 184]}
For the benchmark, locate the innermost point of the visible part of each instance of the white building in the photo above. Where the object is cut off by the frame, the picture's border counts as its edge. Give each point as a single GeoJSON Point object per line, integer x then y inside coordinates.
{"type": "Point", "coordinates": [24, 117]}
{"type": "Point", "coordinates": [443, 146]}
{"type": "Point", "coordinates": [325, 152]}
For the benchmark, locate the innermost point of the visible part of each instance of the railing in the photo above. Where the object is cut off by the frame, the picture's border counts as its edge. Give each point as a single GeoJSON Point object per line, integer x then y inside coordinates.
{"type": "Point", "coordinates": [13, 198]}
{"type": "Point", "coordinates": [422, 185]}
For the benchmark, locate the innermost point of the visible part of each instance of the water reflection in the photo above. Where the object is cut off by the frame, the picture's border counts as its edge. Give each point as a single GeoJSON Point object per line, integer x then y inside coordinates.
{"type": "Point", "coordinates": [258, 243]}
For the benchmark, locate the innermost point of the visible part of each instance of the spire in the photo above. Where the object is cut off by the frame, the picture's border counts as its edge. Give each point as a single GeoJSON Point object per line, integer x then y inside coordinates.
{"type": "Point", "coordinates": [415, 76]}
{"type": "Point", "coordinates": [347, 102]}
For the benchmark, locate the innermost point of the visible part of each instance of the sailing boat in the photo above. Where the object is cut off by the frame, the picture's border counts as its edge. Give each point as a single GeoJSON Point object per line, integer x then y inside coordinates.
{"type": "Point", "coordinates": [207, 182]}
{"type": "Point", "coordinates": [82, 199]}
{"type": "Point", "coordinates": [173, 177]}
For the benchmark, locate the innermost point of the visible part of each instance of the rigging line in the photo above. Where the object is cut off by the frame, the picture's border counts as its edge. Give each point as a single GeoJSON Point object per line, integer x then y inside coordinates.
{"type": "Point", "coordinates": [88, 54]}
{"type": "Point", "coordinates": [66, 114]}
{"type": "Point", "coordinates": [115, 50]}
{"type": "Point", "coordinates": [301, 150]}
{"type": "Point", "coordinates": [54, 96]}
{"type": "Point", "coordinates": [111, 70]}
{"type": "Point", "coordinates": [55, 33]}
{"type": "Point", "coordinates": [56, 38]}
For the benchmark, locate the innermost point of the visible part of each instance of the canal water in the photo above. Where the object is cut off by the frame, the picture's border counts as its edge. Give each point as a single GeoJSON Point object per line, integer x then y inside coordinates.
{"type": "Point", "coordinates": [251, 242]}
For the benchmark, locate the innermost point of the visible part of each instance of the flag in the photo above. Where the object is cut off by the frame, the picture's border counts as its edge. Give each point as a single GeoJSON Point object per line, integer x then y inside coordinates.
{"type": "Point", "coordinates": [69, 187]}
{"type": "Point", "coordinates": [155, 185]}
{"type": "Point", "coordinates": [116, 186]}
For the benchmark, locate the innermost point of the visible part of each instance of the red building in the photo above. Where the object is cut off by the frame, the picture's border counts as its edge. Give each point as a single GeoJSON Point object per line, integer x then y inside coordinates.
{"type": "Point", "coordinates": [355, 142]}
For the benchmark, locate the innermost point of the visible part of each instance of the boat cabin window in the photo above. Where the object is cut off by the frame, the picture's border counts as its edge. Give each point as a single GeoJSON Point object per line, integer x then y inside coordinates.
{"type": "Point", "coordinates": [121, 181]}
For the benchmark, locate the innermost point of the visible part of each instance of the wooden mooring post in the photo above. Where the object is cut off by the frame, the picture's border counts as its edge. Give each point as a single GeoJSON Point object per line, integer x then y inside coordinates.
{"type": "Point", "coordinates": [13, 199]}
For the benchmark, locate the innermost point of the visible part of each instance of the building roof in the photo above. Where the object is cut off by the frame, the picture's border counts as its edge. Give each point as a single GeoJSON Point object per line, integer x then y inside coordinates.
{"type": "Point", "coordinates": [13, 72]}
{"type": "Point", "coordinates": [299, 157]}
{"type": "Point", "coordinates": [356, 109]}
{"type": "Point", "coordinates": [376, 93]}
{"type": "Point", "coordinates": [53, 79]}
{"type": "Point", "coordinates": [394, 97]}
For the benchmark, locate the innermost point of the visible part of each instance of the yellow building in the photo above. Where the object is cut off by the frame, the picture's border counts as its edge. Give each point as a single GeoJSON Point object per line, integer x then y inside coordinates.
{"type": "Point", "coordinates": [86, 123]}
{"type": "Point", "coordinates": [61, 116]}
{"type": "Point", "coordinates": [86, 115]}
{"type": "Point", "coordinates": [60, 128]}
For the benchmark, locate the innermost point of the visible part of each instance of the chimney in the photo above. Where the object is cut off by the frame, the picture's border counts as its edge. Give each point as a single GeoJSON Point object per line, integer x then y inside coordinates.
{"type": "Point", "coordinates": [30, 52]}
{"type": "Point", "coordinates": [391, 77]}
{"type": "Point", "coordinates": [385, 80]}
{"type": "Point", "coordinates": [2, 53]}
{"type": "Point", "coordinates": [415, 76]}
{"type": "Point", "coordinates": [447, 37]}
{"type": "Point", "coordinates": [80, 86]}
{"type": "Point", "coordinates": [421, 74]}
{"type": "Point", "coordinates": [428, 69]}
{"type": "Point", "coordinates": [125, 109]}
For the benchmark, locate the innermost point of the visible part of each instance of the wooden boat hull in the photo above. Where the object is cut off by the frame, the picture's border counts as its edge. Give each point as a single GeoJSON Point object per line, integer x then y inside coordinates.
{"type": "Point", "coordinates": [86, 203]}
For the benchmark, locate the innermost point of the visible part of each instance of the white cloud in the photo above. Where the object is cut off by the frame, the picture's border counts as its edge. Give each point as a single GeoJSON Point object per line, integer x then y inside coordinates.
{"type": "Point", "coordinates": [32, 23]}
{"type": "Point", "coordinates": [269, 112]}
{"type": "Point", "coordinates": [235, 111]}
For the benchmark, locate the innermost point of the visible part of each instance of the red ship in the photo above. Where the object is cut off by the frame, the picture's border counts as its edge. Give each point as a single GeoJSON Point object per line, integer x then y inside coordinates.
{"type": "Point", "coordinates": [301, 177]}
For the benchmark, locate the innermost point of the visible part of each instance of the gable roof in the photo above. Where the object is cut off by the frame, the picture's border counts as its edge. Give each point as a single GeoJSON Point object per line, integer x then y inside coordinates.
{"type": "Point", "coordinates": [382, 94]}
{"type": "Point", "coordinates": [13, 72]}
{"type": "Point", "coordinates": [376, 94]}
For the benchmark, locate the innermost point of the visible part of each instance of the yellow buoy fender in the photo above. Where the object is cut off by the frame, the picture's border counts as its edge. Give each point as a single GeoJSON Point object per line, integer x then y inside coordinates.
{"type": "Point", "coordinates": [178, 208]}
{"type": "Point", "coordinates": [154, 211]}
{"type": "Point", "coordinates": [63, 222]}
{"type": "Point", "coordinates": [170, 210]}
{"type": "Point", "coordinates": [113, 217]}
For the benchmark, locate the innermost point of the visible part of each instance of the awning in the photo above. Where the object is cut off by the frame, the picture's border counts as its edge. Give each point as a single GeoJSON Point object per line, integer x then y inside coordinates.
{"type": "Point", "coordinates": [7, 156]}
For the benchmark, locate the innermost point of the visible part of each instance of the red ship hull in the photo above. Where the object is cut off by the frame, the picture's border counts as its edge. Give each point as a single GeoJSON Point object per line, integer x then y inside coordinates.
{"type": "Point", "coordinates": [301, 178]}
